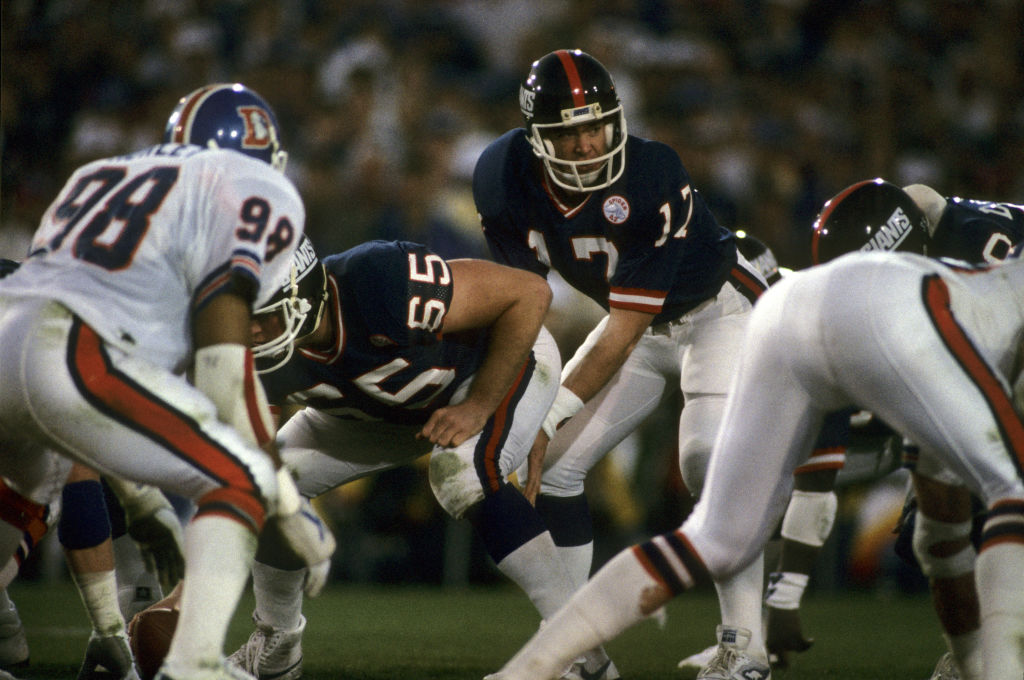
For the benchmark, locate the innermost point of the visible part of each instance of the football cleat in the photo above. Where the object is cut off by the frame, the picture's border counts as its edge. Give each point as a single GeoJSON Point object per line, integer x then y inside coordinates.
{"type": "Point", "coordinates": [731, 661]}
{"type": "Point", "coordinates": [132, 598]}
{"type": "Point", "coordinates": [109, 653]}
{"type": "Point", "coordinates": [224, 671]}
{"type": "Point", "coordinates": [13, 643]}
{"type": "Point", "coordinates": [271, 654]}
{"type": "Point", "coordinates": [946, 669]}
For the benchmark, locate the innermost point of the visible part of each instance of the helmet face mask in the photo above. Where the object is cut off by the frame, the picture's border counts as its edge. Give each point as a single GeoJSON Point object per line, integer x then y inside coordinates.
{"type": "Point", "coordinates": [872, 215]}
{"type": "Point", "coordinates": [228, 116]}
{"type": "Point", "coordinates": [568, 90]}
{"type": "Point", "coordinates": [294, 312]}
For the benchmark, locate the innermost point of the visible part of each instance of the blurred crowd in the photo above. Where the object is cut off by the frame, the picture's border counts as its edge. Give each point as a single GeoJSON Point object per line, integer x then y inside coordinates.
{"type": "Point", "coordinates": [773, 106]}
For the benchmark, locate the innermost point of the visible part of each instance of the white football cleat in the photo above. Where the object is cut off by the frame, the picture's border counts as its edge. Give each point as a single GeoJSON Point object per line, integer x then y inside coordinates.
{"type": "Point", "coordinates": [945, 669]}
{"type": "Point", "coordinates": [13, 643]}
{"type": "Point", "coordinates": [271, 653]}
{"type": "Point", "coordinates": [731, 661]}
{"type": "Point", "coordinates": [110, 653]}
{"type": "Point", "coordinates": [581, 670]}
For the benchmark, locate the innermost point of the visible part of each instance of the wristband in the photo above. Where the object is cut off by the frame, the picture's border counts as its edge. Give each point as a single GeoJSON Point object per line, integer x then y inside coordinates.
{"type": "Point", "coordinates": [566, 405]}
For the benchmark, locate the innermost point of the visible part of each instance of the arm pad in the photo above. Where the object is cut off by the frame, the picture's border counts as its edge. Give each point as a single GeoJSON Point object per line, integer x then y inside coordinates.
{"type": "Point", "coordinates": [226, 375]}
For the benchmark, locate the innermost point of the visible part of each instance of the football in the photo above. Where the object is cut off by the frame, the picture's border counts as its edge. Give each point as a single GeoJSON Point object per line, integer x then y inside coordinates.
{"type": "Point", "coordinates": [149, 635]}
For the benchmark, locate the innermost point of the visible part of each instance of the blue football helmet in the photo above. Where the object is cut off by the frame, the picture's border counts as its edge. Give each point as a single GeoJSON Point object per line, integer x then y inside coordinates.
{"type": "Point", "coordinates": [228, 116]}
{"type": "Point", "coordinates": [298, 306]}
{"type": "Point", "coordinates": [564, 89]}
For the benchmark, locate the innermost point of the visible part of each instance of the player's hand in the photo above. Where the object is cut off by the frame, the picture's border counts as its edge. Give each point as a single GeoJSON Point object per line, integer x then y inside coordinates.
{"type": "Point", "coordinates": [452, 425]}
{"type": "Point", "coordinates": [534, 467]}
{"type": "Point", "coordinates": [159, 537]}
{"type": "Point", "coordinates": [154, 526]}
{"type": "Point", "coordinates": [298, 526]}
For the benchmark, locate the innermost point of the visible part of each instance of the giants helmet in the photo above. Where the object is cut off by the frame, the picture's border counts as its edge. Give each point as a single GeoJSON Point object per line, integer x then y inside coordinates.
{"type": "Point", "coordinates": [563, 89]}
{"type": "Point", "coordinates": [869, 215]}
{"type": "Point", "coordinates": [300, 304]}
{"type": "Point", "coordinates": [228, 116]}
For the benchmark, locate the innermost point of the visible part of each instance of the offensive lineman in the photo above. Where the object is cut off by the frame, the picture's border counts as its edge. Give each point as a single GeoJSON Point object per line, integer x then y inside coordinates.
{"type": "Point", "coordinates": [396, 353]}
{"type": "Point", "coordinates": [144, 268]}
{"type": "Point", "coordinates": [931, 348]}
{"type": "Point", "coordinates": [619, 218]}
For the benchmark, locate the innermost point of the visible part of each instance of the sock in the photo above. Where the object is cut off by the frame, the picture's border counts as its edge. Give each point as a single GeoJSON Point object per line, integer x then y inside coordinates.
{"type": "Point", "coordinates": [740, 600]}
{"type": "Point", "coordinates": [278, 595]}
{"type": "Point", "coordinates": [620, 594]}
{"type": "Point", "coordinates": [786, 589]}
{"type": "Point", "coordinates": [568, 519]}
{"type": "Point", "coordinates": [1001, 598]}
{"type": "Point", "coordinates": [218, 555]}
{"type": "Point", "coordinates": [98, 591]}
{"type": "Point", "coordinates": [537, 568]}
{"type": "Point", "coordinates": [967, 650]}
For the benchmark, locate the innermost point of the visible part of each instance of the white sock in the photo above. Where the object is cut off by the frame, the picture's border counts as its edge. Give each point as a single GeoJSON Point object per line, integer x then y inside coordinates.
{"type": "Point", "coordinates": [740, 600]}
{"type": "Point", "coordinates": [619, 595]}
{"type": "Point", "coordinates": [1001, 598]}
{"type": "Point", "coordinates": [967, 650]}
{"type": "Point", "coordinates": [578, 560]}
{"type": "Point", "coordinates": [98, 590]}
{"type": "Point", "coordinates": [537, 568]}
{"type": "Point", "coordinates": [278, 595]}
{"type": "Point", "coordinates": [218, 557]}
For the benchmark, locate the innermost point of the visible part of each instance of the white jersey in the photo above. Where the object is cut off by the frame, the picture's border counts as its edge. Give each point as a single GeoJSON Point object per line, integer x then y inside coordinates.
{"type": "Point", "coordinates": [135, 244]}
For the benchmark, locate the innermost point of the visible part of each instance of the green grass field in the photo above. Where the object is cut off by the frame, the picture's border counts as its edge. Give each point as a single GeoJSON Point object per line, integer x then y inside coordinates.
{"type": "Point", "coordinates": [400, 633]}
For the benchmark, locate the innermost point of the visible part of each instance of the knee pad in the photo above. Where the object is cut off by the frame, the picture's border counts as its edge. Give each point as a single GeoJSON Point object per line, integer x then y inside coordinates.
{"type": "Point", "coordinates": [810, 516]}
{"type": "Point", "coordinates": [929, 533]}
{"type": "Point", "coordinates": [454, 482]}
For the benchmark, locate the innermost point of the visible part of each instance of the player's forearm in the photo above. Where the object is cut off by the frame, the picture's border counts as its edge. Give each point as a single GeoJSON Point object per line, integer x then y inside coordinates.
{"type": "Point", "coordinates": [512, 338]}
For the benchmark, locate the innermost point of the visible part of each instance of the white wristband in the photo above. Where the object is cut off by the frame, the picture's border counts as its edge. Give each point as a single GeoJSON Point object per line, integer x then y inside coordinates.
{"type": "Point", "coordinates": [566, 405]}
{"type": "Point", "coordinates": [225, 374]}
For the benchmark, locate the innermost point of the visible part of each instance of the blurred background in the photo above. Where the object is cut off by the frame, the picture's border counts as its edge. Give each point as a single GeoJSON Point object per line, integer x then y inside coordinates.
{"type": "Point", "coordinates": [773, 106]}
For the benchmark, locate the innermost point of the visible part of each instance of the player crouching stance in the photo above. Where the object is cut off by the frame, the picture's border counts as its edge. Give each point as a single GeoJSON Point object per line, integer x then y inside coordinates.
{"type": "Point", "coordinates": [928, 348]}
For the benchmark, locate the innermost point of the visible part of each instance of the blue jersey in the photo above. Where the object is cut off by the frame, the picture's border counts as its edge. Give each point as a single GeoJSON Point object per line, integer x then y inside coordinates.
{"type": "Point", "coordinates": [389, 361]}
{"type": "Point", "coordinates": [977, 231]}
{"type": "Point", "coordinates": [646, 243]}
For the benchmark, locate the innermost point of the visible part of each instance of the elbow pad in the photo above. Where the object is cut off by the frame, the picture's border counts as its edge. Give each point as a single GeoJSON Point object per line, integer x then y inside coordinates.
{"type": "Point", "coordinates": [225, 373]}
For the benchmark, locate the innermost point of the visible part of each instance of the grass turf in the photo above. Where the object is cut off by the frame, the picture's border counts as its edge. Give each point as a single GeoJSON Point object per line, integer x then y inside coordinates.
{"type": "Point", "coordinates": [398, 633]}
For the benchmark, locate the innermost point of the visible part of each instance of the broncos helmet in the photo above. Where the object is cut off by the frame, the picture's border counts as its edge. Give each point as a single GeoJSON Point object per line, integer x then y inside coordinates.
{"type": "Point", "coordinates": [299, 304]}
{"type": "Point", "coordinates": [869, 215]}
{"type": "Point", "coordinates": [228, 116]}
{"type": "Point", "coordinates": [563, 89]}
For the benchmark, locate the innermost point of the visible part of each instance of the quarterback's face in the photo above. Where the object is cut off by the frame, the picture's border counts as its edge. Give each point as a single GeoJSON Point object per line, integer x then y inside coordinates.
{"type": "Point", "coordinates": [580, 142]}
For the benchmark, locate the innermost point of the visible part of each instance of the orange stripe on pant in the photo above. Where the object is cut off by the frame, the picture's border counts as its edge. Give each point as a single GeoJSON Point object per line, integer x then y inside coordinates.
{"type": "Point", "coordinates": [127, 402]}
{"type": "Point", "coordinates": [936, 296]}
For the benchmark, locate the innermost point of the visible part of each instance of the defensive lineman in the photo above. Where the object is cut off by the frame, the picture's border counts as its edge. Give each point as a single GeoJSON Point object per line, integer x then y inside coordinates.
{"type": "Point", "coordinates": [930, 349]}
{"type": "Point", "coordinates": [147, 266]}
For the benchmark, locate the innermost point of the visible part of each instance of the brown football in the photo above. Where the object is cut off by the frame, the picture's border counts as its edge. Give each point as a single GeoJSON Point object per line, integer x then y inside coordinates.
{"type": "Point", "coordinates": [149, 635]}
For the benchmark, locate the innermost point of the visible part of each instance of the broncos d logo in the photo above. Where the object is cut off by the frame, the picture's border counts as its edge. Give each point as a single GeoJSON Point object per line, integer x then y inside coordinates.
{"type": "Point", "coordinates": [258, 128]}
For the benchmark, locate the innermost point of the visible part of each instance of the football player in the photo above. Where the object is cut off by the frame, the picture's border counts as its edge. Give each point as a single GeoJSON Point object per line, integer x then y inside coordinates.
{"type": "Point", "coordinates": [145, 546]}
{"type": "Point", "coordinates": [395, 353]}
{"type": "Point", "coordinates": [621, 220]}
{"type": "Point", "coordinates": [877, 215]}
{"type": "Point", "coordinates": [931, 348]}
{"type": "Point", "coordinates": [144, 269]}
